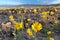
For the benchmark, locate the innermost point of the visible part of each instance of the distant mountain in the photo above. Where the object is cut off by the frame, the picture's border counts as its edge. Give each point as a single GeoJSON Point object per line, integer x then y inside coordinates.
{"type": "Point", "coordinates": [28, 5]}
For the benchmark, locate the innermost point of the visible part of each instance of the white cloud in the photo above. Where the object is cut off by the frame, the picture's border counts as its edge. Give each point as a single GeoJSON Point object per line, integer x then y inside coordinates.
{"type": "Point", "coordinates": [55, 2]}
{"type": "Point", "coordinates": [11, 3]}
{"type": "Point", "coordinates": [14, 3]}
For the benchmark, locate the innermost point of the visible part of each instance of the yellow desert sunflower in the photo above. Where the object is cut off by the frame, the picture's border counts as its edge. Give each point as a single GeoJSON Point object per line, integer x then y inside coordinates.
{"type": "Point", "coordinates": [51, 38]}
{"type": "Point", "coordinates": [49, 32]}
{"type": "Point", "coordinates": [28, 19]}
{"type": "Point", "coordinates": [19, 12]}
{"type": "Point", "coordinates": [9, 11]}
{"type": "Point", "coordinates": [29, 32]}
{"type": "Point", "coordinates": [36, 26]}
{"type": "Point", "coordinates": [52, 13]}
{"type": "Point", "coordinates": [34, 10]}
{"type": "Point", "coordinates": [44, 14]}
{"type": "Point", "coordinates": [56, 21]}
{"type": "Point", "coordinates": [11, 17]}
{"type": "Point", "coordinates": [18, 25]}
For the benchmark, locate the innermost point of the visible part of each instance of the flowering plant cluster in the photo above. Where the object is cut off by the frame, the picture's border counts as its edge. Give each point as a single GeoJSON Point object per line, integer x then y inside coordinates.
{"type": "Point", "coordinates": [29, 23]}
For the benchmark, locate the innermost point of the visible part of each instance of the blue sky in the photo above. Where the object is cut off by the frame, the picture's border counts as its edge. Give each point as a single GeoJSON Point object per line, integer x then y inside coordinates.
{"type": "Point", "coordinates": [20, 2]}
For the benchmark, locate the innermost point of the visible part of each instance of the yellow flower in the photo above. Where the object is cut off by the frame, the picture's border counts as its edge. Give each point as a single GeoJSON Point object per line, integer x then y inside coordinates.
{"type": "Point", "coordinates": [36, 26]}
{"type": "Point", "coordinates": [19, 12]}
{"type": "Point", "coordinates": [9, 11]}
{"type": "Point", "coordinates": [49, 32]}
{"type": "Point", "coordinates": [44, 16]}
{"type": "Point", "coordinates": [51, 38]}
{"type": "Point", "coordinates": [29, 32]}
{"type": "Point", "coordinates": [11, 16]}
{"type": "Point", "coordinates": [26, 23]}
{"type": "Point", "coordinates": [34, 10]}
{"type": "Point", "coordinates": [44, 13]}
{"type": "Point", "coordinates": [52, 13]}
{"type": "Point", "coordinates": [28, 19]}
{"type": "Point", "coordinates": [18, 25]}
{"type": "Point", "coordinates": [56, 21]}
